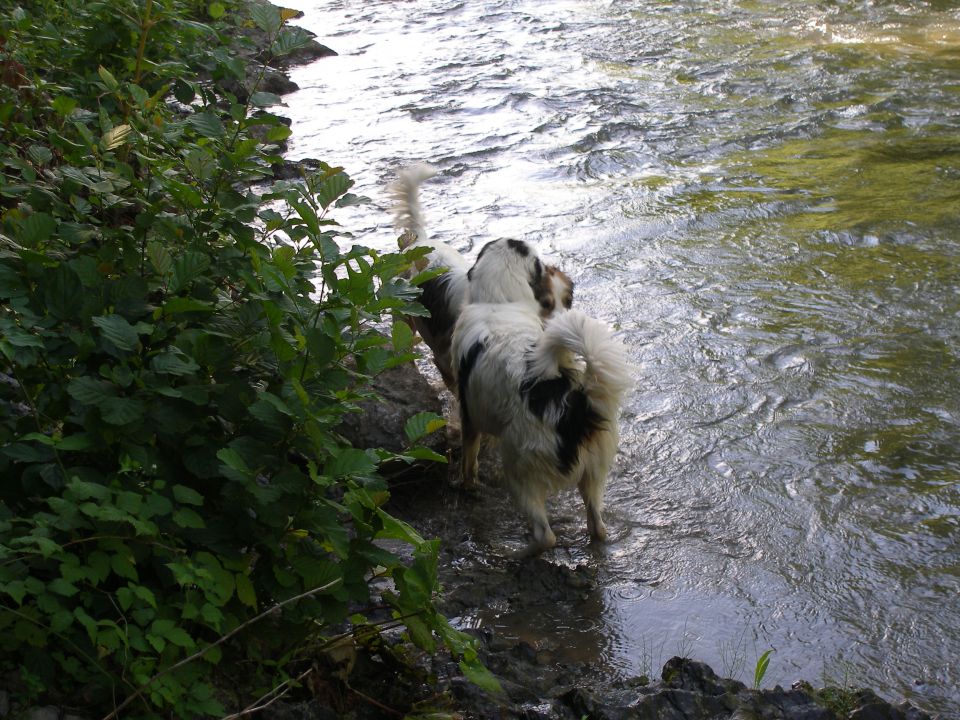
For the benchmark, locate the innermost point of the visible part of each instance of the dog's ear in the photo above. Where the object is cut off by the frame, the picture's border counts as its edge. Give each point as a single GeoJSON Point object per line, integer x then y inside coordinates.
{"type": "Point", "coordinates": [479, 255]}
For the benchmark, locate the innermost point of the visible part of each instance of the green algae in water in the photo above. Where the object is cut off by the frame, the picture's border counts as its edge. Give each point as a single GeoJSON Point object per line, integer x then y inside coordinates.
{"type": "Point", "coordinates": [856, 180]}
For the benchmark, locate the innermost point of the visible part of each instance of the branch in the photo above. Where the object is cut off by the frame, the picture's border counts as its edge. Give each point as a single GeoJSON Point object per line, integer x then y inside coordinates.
{"type": "Point", "coordinates": [220, 641]}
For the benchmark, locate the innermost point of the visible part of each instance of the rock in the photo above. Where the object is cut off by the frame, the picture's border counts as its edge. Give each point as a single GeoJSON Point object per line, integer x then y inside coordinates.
{"type": "Point", "coordinates": [403, 393]}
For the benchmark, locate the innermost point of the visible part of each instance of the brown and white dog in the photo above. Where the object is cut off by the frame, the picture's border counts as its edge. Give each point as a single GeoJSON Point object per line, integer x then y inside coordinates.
{"type": "Point", "coordinates": [519, 378]}
{"type": "Point", "coordinates": [544, 287]}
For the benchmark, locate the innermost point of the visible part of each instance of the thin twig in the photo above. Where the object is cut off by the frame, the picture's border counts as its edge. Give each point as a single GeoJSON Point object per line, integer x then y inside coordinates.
{"type": "Point", "coordinates": [256, 706]}
{"type": "Point", "coordinates": [220, 641]}
{"type": "Point", "coordinates": [377, 703]}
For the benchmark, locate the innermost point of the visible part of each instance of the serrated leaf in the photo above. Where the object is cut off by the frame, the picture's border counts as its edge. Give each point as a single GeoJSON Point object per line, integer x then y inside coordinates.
{"type": "Point", "coordinates": [266, 17]}
{"type": "Point", "coordinates": [188, 267]}
{"type": "Point", "coordinates": [402, 336]}
{"type": "Point", "coordinates": [116, 330]}
{"type": "Point", "coordinates": [172, 362]}
{"type": "Point", "coordinates": [160, 257]}
{"type": "Point", "coordinates": [397, 529]}
{"type": "Point", "coordinates": [123, 566]}
{"type": "Point", "coordinates": [278, 133]}
{"type": "Point", "coordinates": [64, 105]}
{"type": "Point", "coordinates": [187, 495]}
{"type": "Point", "coordinates": [350, 462]}
{"type": "Point", "coordinates": [423, 453]}
{"type": "Point", "coordinates": [422, 424]}
{"type": "Point", "coordinates": [187, 518]}
{"type": "Point", "coordinates": [37, 228]}
{"type": "Point", "coordinates": [122, 410]}
{"type": "Point", "coordinates": [90, 391]}
{"type": "Point", "coordinates": [39, 154]}
{"type": "Point", "coordinates": [290, 39]}
{"type": "Point", "coordinates": [207, 124]}
{"type": "Point", "coordinates": [84, 490]}
{"type": "Point", "coordinates": [332, 188]}
{"type": "Point", "coordinates": [62, 587]}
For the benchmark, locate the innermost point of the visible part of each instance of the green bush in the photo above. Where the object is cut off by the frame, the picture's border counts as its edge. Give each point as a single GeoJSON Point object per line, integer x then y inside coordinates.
{"type": "Point", "coordinates": [177, 351]}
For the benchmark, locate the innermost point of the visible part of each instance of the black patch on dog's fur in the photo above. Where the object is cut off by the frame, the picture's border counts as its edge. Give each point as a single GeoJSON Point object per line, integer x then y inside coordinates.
{"type": "Point", "coordinates": [578, 421]}
{"type": "Point", "coordinates": [480, 255]}
{"type": "Point", "coordinates": [467, 363]}
{"type": "Point", "coordinates": [435, 298]}
{"type": "Point", "coordinates": [520, 247]}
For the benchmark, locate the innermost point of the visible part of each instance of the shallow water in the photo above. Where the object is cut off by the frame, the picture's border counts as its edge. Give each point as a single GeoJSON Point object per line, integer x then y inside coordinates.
{"type": "Point", "coordinates": [763, 198]}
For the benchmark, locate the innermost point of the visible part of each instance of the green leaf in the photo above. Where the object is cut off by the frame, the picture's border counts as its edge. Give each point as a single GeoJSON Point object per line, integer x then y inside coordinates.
{"type": "Point", "coordinates": [64, 105]}
{"type": "Point", "coordinates": [186, 495]}
{"type": "Point", "coordinates": [216, 10]}
{"type": "Point", "coordinates": [207, 124]}
{"type": "Point", "coordinates": [122, 410]}
{"type": "Point", "coordinates": [233, 460]}
{"type": "Point", "coordinates": [332, 188]}
{"type": "Point", "coordinates": [108, 79]}
{"type": "Point", "coordinates": [36, 228]}
{"type": "Point", "coordinates": [187, 518]}
{"type": "Point", "coordinates": [292, 38]}
{"type": "Point", "coordinates": [423, 424]}
{"type": "Point", "coordinates": [39, 154]}
{"type": "Point", "coordinates": [160, 257]}
{"type": "Point", "coordinates": [350, 462]}
{"type": "Point", "coordinates": [479, 675]}
{"type": "Point", "coordinates": [62, 587]}
{"type": "Point", "coordinates": [117, 331]}
{"type": "Point", "coordinates": [265, 99]}
{"type": "Point", "coordinates": [188, 267]}
{"type": "Point", "coordinates": [90, 391]}
{"type": "Point", "coordinates": [322, 347]}
{"type": "Point", "coordinates": [245, 592]}
{"type": "Point", "coordinates": [122, 565]}
{"type": "Point", "coordinates": [83, 490]}
{"type": "Point", "coordinates": [278, 133]}
{"type": "Point", "coordinates": [761, 668]}
{"type": "Point", "coordinates": [173, 362]}
{"type": "Point", "coordinates": [397, 529]}
{"type": "Point", "coordinates": [266, 17]}
{"type": "Point", "coordinates": [62, 288]}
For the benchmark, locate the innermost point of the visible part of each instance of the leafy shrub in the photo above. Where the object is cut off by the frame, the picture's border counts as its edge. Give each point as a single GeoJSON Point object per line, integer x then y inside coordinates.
{"type": "Point", "coordinates": [177, 351]}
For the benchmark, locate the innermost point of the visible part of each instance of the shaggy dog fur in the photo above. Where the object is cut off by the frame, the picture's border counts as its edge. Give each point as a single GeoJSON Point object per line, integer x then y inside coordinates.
{"type": "Point", "coordinates": [544, 286]}
{"type": "Point", "coordinates": [520, 379]}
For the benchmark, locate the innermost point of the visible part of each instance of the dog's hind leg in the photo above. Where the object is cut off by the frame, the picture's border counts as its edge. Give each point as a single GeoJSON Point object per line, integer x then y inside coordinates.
{"type": "Point", "coordinates": [470, 448]}
{"type": "Point", "coordinates": [591, 487]}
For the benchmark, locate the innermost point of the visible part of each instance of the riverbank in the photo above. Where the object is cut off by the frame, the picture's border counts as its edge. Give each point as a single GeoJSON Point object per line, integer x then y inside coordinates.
{"type": "Point", "coordinates": [539, 680]}
{"type": "Point", "coordinates": [500, 600]}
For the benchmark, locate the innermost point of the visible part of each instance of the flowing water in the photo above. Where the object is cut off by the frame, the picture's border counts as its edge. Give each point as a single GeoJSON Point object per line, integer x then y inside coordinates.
{"type": "Point", "coordinates": [763, 198]}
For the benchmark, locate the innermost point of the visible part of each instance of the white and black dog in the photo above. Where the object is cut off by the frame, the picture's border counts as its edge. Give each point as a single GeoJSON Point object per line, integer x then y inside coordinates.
{"type": "Point", "coordinates": [545, 287]}
{"type": "Point", "coordinates": [519, 378]}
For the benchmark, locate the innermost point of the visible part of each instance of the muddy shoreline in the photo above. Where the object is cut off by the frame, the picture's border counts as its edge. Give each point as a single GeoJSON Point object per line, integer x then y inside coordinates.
{"type": "Point", "coordinates": [480, 582]}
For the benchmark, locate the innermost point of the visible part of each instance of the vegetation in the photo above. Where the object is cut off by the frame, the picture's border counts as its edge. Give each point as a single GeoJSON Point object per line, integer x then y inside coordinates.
{"type": "Point", "coordinates": [177, 351]}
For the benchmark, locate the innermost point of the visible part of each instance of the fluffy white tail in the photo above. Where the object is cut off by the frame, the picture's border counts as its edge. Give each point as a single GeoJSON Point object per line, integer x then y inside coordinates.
{"type": "Point", "coordinates": [607, 372]}
{"type": "Point", "coordinates": [406, 203]}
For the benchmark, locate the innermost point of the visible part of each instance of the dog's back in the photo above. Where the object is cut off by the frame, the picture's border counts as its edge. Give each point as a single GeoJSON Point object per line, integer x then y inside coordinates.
{"type": "Point", "coordinates": [555, 414]}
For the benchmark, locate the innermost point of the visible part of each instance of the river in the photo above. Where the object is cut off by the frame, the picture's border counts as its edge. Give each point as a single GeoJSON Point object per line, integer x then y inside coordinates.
{"type": "Point", "coordinates": [763, 198]}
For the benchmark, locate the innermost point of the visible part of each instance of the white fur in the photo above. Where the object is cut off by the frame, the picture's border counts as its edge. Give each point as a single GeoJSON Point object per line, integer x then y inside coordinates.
{"type": "Point", "coordinates": [499, 388]}
{"type": "Point", "coordinates": [505, 271]}
{"type": "Point", "coordinates": [450, 290]}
